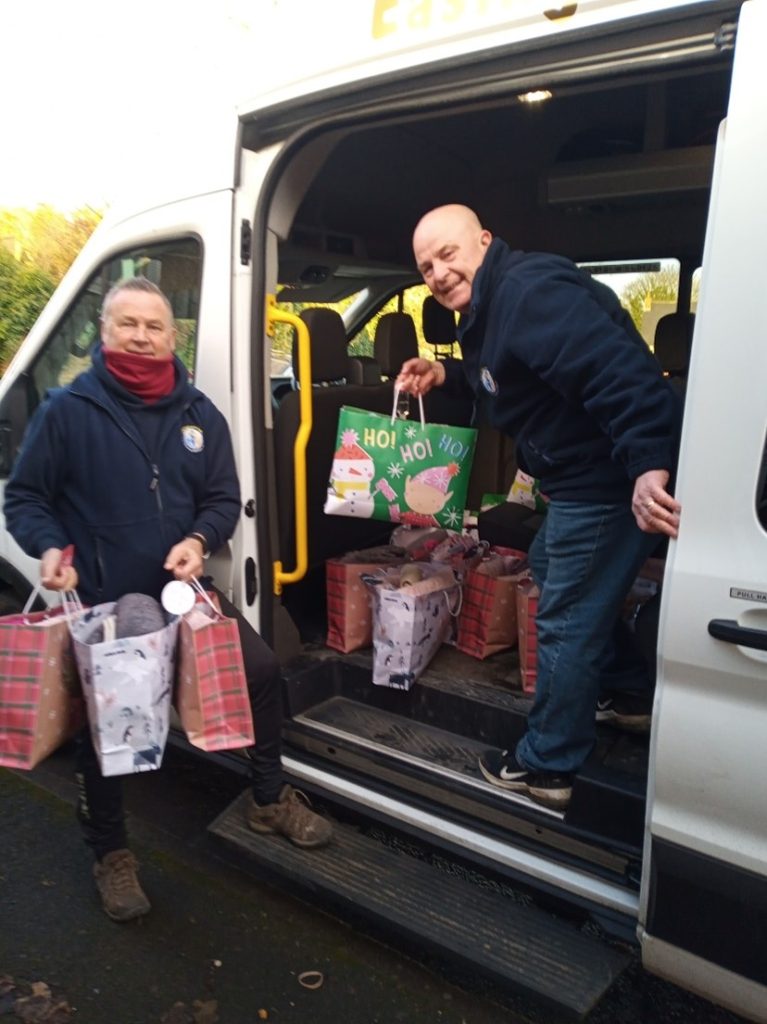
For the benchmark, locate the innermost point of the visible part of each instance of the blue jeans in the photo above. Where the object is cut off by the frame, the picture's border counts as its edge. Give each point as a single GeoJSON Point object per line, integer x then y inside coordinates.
{"type": "Point", "coordinates": [584, 559]}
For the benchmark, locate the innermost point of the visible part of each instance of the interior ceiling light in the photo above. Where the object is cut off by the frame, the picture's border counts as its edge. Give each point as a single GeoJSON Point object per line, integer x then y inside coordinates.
{"type": "Point", "coordinates": [535, 96]}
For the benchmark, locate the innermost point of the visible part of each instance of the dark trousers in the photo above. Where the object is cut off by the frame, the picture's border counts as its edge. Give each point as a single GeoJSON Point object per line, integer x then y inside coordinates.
{"type": "Point", "coordinates": [100, 801]}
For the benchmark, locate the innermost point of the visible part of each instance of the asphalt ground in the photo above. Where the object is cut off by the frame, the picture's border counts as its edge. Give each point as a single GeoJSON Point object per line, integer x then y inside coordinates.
{"type": "Point", "coordinates": [219, 946]}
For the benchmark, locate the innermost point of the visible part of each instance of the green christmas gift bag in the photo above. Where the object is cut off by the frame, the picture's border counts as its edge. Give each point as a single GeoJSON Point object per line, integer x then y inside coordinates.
{"type": "Point", "coordinates": [401, 471]}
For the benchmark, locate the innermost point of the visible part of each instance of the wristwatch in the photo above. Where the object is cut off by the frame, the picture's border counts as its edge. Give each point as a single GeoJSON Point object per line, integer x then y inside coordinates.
{"type": "Point", "coordinates": [201, 538]}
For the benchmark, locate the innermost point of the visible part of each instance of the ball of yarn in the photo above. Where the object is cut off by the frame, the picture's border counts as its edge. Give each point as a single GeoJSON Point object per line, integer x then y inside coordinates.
{"type": "Point", "coordinates": [137, 614]}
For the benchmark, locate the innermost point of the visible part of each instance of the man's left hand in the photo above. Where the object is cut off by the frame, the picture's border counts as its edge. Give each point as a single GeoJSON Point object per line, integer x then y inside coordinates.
{"type": "Point", "coordinates": [655, 510]}
{"type": "Point", "coordinates": [185, 559]}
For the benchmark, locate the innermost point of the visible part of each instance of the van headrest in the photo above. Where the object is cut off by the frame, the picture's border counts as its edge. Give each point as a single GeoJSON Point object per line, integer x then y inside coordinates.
{"type": "Point", "coordinates": [395, 341]}
{"type": "Point", "coordinates": [327, 343]}
{"type": "Point", "coordinates": [673, 334]}
{"type": "Point", "coordinates": [437, 322]}
{"type": "Point", "coordinates": [364, 370]}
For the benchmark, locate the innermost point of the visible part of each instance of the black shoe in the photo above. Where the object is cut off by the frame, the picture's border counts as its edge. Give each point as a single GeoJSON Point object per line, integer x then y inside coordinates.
{"type": "Point", "coordinates": [550, 789]}
{"type": "Point", "coordinates": [629, 711]}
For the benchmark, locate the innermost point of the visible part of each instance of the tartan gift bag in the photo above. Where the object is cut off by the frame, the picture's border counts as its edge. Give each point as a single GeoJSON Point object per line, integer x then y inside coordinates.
{"type": "Point", "coordinates": [211, 689]}
{"type": "Point", "coordinates": [350, 618]}
{"type": "Point", "coordinates": [40, 701]}
{"type": "Point", "coordinates": [127, 683]}
{"type": "Point", "coordinates": [413, 609]}
{"type": "Point", "coordinates": [527, 609]}
{"type": "Point", "coordinates": [487, 622]}
{"type": "Point", "coordinates": [399, 471]}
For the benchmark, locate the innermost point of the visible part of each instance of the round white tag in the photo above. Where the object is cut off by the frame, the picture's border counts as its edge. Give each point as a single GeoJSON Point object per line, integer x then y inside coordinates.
{"type": "Point", "coordinates": [177, 597]}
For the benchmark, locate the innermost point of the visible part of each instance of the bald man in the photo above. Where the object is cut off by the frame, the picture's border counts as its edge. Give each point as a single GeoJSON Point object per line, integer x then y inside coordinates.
{"type": "Point", "coordinates": [553, 360]}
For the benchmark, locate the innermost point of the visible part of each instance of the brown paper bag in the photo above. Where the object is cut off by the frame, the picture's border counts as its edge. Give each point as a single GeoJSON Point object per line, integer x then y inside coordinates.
{"type": "Point", "coordinates": [350, 618]}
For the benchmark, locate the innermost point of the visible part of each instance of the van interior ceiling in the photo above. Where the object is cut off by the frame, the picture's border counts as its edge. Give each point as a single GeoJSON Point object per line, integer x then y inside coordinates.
{"type": "Point", "coordinates": [589, 173]}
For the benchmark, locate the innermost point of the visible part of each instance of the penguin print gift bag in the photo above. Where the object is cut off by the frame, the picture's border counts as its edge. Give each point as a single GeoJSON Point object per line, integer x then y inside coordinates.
{"type": "Point", "coordinates": [125, 652]}
{"type": "Point", "coordinates": [400, 471]}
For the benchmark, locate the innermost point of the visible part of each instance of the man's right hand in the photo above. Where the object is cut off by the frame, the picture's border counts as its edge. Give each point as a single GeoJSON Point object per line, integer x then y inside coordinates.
{"type": "Point", "coordinates": [56, 572]}
{"type": "Point", "coordinates": [418, 376]}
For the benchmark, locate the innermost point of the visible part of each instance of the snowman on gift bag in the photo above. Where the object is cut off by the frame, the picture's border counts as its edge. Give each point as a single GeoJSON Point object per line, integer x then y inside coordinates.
{"type": "Point", "coordinates": [350, 477]}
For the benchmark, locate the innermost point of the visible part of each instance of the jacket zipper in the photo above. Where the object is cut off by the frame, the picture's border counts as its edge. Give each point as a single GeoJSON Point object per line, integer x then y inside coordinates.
{"type": "Point", "coordinates": [155, 484]}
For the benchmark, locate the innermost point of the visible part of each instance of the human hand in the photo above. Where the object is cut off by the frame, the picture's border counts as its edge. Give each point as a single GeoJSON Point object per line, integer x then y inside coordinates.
{"type": "Point", "coordinates": [184, 559]}
{"type": "Point", "coordinates": [655, 510]}
{"type": "Point", "coordinates": [57, 571]}
{"type": "Point", "coordinates": [418, 376]}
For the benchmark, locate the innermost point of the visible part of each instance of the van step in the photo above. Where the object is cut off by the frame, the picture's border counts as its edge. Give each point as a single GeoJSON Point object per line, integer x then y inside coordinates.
{"type": "Point", "coordinates": [416, 743]}
{"type": "Point", "coordinates": [606, 801]}
{"type": "Point", "coordinates": [416, 904]}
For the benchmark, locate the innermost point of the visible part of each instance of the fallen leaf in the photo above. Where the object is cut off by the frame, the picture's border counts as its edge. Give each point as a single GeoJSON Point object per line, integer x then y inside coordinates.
{"type": "Point", "coordinates": [39, 988]}
{"type": "Point", "coordinates": [177, 1014]}
{"type": "Point", "coordinates": [263, 1014]}
{"type": "Point", "coordinates": [205, 1012]}
{"type": "Point", "coordinates": [40, 1010]}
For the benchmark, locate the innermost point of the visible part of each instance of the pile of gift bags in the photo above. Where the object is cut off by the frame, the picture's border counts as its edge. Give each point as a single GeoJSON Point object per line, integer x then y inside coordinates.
{"type": "Point", "coordinates": [430, 586]}
{"type": "Point", "coordinates": [120, 666]}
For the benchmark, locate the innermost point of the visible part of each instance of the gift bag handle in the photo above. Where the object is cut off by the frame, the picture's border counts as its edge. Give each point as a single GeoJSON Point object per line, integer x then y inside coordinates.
{"type": "Point", "coordinates": [455, 613]}
{"type": "Point", "coordinates": [196, 585]}
{"type": "Point", "coordinates": [397, 390]}
{"type": "Point", "coordinates": [70, 600]}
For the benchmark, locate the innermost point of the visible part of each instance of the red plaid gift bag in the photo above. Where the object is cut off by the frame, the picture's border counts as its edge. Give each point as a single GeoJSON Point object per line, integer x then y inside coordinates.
{"type": "Point", "coordinates": [487, 622]}
{"type": "Point", "coordinates": [211, 688]}
{"type": "Point", "coordinates": [527, 608]}
{"type": "Point", "coordinates": [40, 702]}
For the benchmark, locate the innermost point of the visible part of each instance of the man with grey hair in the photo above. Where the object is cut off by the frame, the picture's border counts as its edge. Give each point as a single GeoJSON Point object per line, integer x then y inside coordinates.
{"type": "Point", "coordinates": [134, 466]}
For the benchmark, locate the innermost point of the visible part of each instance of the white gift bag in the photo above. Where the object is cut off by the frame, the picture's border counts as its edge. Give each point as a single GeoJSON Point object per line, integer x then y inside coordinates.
{"type": "Point", "coordinates": [127, 684]}
{"type": "Point", "coordinates": [413, 610]}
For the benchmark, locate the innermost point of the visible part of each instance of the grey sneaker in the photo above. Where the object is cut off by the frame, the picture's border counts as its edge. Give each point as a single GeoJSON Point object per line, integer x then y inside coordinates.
{"type": "Point", "coordinates": [291, 817]}
{"type": "Point", "coordinates": [121, 895]}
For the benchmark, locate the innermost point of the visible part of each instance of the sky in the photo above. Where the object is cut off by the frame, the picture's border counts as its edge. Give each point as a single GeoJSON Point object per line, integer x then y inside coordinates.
{"type": "Point", "coordinates": [91, 91]}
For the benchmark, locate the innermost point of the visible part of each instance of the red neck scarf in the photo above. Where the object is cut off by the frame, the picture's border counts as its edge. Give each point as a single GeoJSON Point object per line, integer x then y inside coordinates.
{"type": "Point", "coordinates": [148, 378]}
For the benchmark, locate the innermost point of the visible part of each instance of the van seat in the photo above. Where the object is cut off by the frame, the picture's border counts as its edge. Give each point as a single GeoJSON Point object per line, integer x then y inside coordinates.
{"type": "Point", "coordinates": [438, 326]}
{"type": "Point", "coordinates": [395, 341]}
{"type": "Point", "coordinates": [328, 347]}
{"type": "Point", "coordinates": [673, 337]}
{"type": "Point", "coordinates": [328, 535]}
{"type": "Point", "coordinates": [364, 370]}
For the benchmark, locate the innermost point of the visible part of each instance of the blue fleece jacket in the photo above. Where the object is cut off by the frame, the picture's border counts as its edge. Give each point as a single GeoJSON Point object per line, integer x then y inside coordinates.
{"type": "Point", "coordinates": [122, 480]}
{"type": "Point", "coordinates": [555, 362]}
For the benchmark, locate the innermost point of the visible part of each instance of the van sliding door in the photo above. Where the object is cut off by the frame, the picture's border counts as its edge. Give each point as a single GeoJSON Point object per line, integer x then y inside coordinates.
{"type": "Point", "coordinates": [703, 918]}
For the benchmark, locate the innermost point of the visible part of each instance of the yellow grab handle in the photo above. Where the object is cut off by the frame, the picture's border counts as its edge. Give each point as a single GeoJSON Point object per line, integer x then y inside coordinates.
{"type": "Point", "coordinates": [274, 316]}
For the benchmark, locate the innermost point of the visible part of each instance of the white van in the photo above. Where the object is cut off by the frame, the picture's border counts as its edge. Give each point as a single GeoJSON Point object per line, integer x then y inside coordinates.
{"type": "Point", "coordinates": [632, 137]}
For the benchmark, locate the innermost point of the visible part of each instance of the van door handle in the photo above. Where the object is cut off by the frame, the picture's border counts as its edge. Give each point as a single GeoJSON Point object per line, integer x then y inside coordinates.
{"type": "Point", "coordinates": [729, 631]}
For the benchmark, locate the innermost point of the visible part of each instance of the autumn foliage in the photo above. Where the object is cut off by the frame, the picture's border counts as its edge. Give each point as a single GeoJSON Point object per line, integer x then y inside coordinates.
{"type": "Point", "coordinates": [36, 249]}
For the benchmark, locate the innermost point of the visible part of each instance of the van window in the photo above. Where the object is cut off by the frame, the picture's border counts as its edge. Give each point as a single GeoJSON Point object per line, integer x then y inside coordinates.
{"type": "Point", "coordinates": [695, 294]}
{"type": "Point", "coordinates": [176, 267]}
{"type": "Point", "coordinates": [647, 289]}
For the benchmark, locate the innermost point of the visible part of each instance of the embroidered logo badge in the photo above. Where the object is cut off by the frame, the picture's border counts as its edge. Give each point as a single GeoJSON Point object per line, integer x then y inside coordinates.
{"type": "Point", "coordinates": [488, 381]}
{"type": "Point", "coordinates": [192, 438]}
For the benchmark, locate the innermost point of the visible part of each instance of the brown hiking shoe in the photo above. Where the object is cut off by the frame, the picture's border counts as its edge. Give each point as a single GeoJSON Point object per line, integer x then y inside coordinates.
{"type": "Point", "coordinates": [121, 895]}
{"type": "Point", "coordinates": [291, 817]}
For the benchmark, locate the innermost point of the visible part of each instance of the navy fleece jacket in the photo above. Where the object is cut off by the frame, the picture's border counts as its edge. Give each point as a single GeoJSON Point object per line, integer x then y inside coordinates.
{"type": "Point", "coordinates": [122, 480]}
{"type": "Point", "coordinates": [555, 362]}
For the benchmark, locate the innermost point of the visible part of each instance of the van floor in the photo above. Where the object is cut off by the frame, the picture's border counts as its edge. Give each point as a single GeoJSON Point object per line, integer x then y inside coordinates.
{"type": "Point", "coordinates": [424, 744]}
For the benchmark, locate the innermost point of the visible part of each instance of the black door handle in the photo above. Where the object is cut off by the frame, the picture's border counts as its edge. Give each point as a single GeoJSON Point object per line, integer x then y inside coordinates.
{"type": "Point", "coordinates": [729, 631]}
